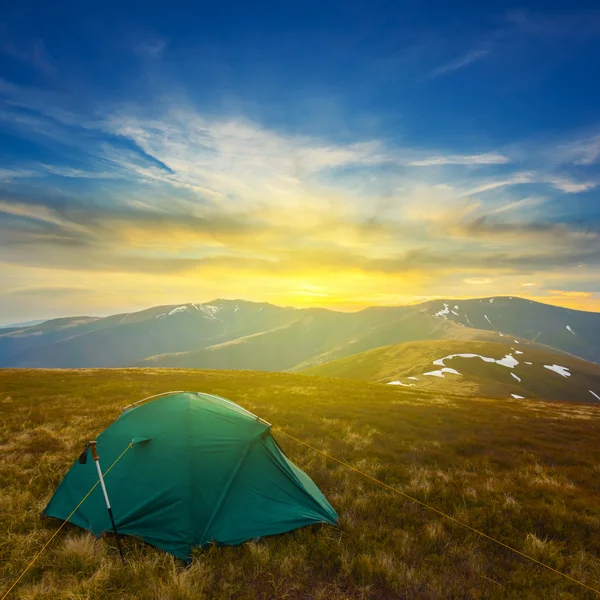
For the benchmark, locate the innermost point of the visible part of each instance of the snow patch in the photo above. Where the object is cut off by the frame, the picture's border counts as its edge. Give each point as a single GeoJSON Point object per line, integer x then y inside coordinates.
{"type": "Point", "coordinates": [491, 301]}
{"type": "Point", "coordinates": [400, 383]}
{"type": "Point", "coordinates": [415, 378]}
{"type": "Point", "coordinates": [236, 309]}
{"type": "Point", "coordinates": [564, 371]}
{"type": "Point", "coordinates": [456, 307]}
{"type": "Point", "coordinates": [441, 372]}
{"type": "Point", "coordinates": [440, 361]}
{"type": "Point", "coordinates": [527, 363]}
{"type": "Point", "coordinates": [454, 312]}
{"type": "Point", "coordinates": [516, 377]}
{"type": "Point", "coordinates": [209, 310]}
{"type": "Point", "coordinates": [518, 352]}
{"type": "Point", "coordinates": [442, 313]}
{"type": "Point", "coordinates": [517, 397]}
{"type": "Point", "coordinates": [486, 318]}
{"type": "Point", "coordinates": [569, 328]}
{"type": "Point", "coordinates": [179, 309]}
{"type": "Point", "coordinates": [507, 361]}
{"type": "Point", "coordinates": [594, 394]}
{"type": "Point", "coordinates": [516, 341]}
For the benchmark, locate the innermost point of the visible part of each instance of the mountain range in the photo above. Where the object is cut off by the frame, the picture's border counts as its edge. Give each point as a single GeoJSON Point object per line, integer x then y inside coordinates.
{"type": "Point", "coordinates": [238, 334]}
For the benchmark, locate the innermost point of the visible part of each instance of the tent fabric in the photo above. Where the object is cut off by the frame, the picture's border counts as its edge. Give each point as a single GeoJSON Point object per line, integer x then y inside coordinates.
{"type": "Point", "coordinates": [201, 469]}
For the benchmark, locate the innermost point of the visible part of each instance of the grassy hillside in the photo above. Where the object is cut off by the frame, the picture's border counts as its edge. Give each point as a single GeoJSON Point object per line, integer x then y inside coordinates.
{"type": "Point", "coordinates": [525, 374]}
{"type": "Point", "coordinates": [312, 339]}
{"type": "Point", "coordinates": [526, 472]}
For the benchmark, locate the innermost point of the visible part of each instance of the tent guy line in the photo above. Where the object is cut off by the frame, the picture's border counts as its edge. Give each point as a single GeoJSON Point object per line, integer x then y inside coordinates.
{"type": "Point", "coordinates": [439, 512]}
{"type": "Point", "coordinates": [62, 525]}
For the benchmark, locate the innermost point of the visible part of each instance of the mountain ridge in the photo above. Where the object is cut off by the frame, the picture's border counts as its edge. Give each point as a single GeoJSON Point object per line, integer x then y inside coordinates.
{"type": "Point", "coordinates": [234, 334]}
{"type": "Point", "coordinates": [36, 322]}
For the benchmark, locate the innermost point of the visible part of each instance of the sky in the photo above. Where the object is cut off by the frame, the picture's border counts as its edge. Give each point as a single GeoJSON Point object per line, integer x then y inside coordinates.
{"type": "Point", "coordinates": [337, 154]}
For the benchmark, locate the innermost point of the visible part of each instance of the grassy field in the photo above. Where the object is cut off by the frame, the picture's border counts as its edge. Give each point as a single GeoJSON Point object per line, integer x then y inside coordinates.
{"type": "Point", "coordinates": [525, 472]}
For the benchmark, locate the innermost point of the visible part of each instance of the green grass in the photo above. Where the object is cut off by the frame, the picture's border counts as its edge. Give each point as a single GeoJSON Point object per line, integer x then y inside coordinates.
{"type": "Point", "coordinates": [525, 472]}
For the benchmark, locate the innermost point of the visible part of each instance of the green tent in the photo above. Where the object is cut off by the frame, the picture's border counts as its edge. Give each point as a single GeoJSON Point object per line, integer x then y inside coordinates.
{"type": "Point", "coordinates": [201, 469]}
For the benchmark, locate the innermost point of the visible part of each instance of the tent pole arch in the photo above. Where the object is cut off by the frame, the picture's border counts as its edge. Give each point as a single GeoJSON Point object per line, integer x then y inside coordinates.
{"type": "Point", "coordinates": [151, 397]}
{"type": "Point", "coordinates": [261, 420]}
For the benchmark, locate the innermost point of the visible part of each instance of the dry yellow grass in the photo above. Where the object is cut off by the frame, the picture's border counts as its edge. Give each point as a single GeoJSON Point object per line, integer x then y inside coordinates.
{"type": "Point", "coordinates": [526, 473]}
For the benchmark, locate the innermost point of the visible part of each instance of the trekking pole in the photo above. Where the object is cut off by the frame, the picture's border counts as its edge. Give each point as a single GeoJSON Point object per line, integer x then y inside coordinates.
{"type": "Point", "coordinates": [110, 513]}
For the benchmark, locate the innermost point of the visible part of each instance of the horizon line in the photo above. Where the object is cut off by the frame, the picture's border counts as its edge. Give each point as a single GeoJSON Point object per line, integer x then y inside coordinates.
{"type": "Point", "coordinates": [42, 320]}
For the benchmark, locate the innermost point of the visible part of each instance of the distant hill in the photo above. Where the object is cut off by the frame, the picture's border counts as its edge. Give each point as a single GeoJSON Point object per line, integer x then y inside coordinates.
{"type": "Point", "coordinates": [125, 339]}
{"type": "Point", "coordinates": [236, 334]}
{"type": "Point", "coordinates": [574, 331]}
{"type": "Point", "coordinates": [22, 324]}
{"type": "Point", "coordinates": [477, 368]}
{"type": "Point", "coordinates": [313, 336]}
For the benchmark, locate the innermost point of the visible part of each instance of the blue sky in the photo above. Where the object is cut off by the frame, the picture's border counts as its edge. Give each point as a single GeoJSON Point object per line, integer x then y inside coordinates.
{"type": "Point", "coordinates": [339, 154]}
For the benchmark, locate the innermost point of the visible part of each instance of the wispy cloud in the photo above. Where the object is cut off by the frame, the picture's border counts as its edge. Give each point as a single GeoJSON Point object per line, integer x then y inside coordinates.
{"type": "Point", "coordinates": [538, 231]}
{"type": "Point", "coordinates": [584, 151]}
{"type": "Point", "coordinates": [457, 159]}
{"type": "Point", "coordinates": [459, 63]}
{"type": "Point", "coordinates": [561, 183]}
{"type": "Point", "coordinates": [514, 179]}
{"type": "Point", "coordinates": [7, 175]}
{"type": "Point", "coordinates": [568, 185]}
{"type": "Point", "coordinates": [530, 201]}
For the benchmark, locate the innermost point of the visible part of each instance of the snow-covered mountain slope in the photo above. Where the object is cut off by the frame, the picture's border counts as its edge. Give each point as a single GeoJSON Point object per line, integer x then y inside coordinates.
{"type": "Point", "coordinates": [487, 369]}
{"type": "Point", "coordinates": [573, 331]}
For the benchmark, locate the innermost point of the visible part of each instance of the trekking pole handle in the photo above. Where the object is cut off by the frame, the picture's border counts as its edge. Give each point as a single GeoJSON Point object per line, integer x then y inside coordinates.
{"type": "Point", "coordinates": [93, 449]}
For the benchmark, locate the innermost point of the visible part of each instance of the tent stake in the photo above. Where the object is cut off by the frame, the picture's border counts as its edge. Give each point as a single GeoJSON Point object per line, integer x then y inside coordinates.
{"type": "Point", "coordinates": [110, 513]}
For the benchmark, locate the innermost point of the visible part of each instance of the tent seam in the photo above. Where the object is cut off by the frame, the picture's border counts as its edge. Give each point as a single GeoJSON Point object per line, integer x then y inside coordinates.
{"type": "Point", "coordinates": [292, 476]}
{"type": "Point", "coordinates": [190, 459]}
{"type": "Point", "coordinates": [227, 487]}
{"type": "Point", "coordinates": [213, 397]}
